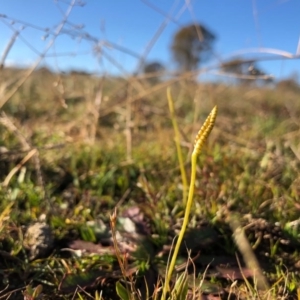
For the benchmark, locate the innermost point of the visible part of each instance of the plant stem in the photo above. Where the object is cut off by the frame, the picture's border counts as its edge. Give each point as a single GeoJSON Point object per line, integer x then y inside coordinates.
{"type": "Point", "coordinates": [199, 141]}
{"type": "Point", "coordinates": [184, 225]}
{"type": "Point", "coordinates": [177, 142]}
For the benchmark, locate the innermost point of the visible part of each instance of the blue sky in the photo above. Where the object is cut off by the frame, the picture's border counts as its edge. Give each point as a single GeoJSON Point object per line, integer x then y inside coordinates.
{"type": "Point", "coordinates": [239, 25]}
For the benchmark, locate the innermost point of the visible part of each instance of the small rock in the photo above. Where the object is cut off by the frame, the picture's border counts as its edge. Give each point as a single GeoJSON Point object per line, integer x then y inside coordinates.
{"type": "Point", "coordinates": [38, 240]}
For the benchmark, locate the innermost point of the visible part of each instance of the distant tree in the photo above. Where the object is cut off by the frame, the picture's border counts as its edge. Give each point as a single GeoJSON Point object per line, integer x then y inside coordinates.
{"type": "Point", "coordinates": [192, 45]}
{"type": "Point", "coordinates": [155, 68]}
{"type": "Point", "coordinates": [289, 84]}
{"type": "Point", "coordinates": [246, 68]}
{"type": "Point", "coordinates": [236, 66]}
{"type": "Point", "coordinates": [79, 72]}
{"type": "Point", "coordinates": [44, 70]}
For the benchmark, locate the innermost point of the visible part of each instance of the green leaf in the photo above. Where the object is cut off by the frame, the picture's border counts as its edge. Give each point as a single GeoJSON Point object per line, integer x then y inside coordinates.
{"type": "Point", "coordinates": [181, 288]}
{"type": "Point", "coordinates": [87, 233]}
{"type": "Point", "coordinates": [122, 292]}
{"type": "Point", "coordinates": [79, 296]}
{"type": "Point", "coordinates": [37, 291]}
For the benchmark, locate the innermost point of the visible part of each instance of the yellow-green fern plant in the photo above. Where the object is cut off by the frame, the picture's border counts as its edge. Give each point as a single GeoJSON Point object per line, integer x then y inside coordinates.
{"type": "Point", "coordinates": [199, 142]}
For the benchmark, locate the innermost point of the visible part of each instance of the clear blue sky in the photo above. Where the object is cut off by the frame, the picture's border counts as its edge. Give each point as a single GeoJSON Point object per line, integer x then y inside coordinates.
{"type": "Point", "coordinates": [238, 24]}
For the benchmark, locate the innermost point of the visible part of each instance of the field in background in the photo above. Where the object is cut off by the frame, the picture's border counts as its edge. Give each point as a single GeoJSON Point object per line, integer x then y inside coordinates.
{"type": "Point", "coordinates": [82, 145]}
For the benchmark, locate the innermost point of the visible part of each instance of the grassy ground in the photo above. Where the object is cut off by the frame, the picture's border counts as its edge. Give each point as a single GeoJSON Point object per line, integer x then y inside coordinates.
{"type": "Point", "coordinates": [80, 147]}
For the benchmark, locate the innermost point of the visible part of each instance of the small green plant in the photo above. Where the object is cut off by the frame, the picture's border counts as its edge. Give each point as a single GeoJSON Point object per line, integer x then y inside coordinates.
{"type": "Point", "coordinates": [122, 291]}
{"type": "Point", "coordinates": [180, 288]}
{"type": "Point", "coordinates": [199, 142]}
{"type": "Point", "coordinates": [32, 293]}
{"type": "Point", "coordinates": [128, 292]}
